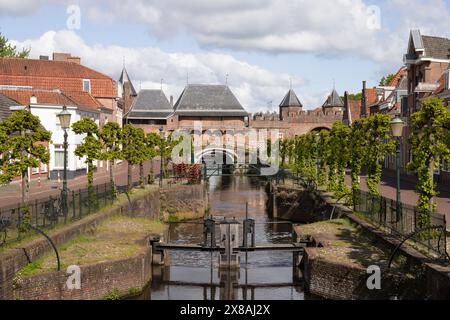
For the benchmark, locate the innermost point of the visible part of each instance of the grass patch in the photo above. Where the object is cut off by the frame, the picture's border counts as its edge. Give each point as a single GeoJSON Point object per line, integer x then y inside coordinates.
{"type": "Point", "coordinates": [114, 239]}
{"type": "Point", "coordinates": [344, 242]}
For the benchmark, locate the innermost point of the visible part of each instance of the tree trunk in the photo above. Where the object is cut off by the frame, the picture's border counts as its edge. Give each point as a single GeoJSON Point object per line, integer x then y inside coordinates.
{"type": "Point", "coordinates": [111, 178]}
{"type": "Point", "coordinates": [23, 189]}
{"type": "Point", "coordinates": [141, 175]}
{"type": "Point", "coordinates": [130, 178]}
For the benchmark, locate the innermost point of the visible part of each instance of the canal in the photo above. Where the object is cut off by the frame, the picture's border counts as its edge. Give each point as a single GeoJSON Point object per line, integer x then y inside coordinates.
{"type": "Point", "coordinates": [262, 275]}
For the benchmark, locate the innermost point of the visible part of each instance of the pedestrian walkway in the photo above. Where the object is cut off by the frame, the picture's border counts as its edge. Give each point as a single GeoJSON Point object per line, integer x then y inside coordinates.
{"type": "Point", "coordinates": [11, 194]}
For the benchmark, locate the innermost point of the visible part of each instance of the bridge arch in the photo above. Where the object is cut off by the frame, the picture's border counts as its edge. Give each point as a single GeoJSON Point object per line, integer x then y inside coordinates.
{"type": "Point", "coordinates": [213, 153]}
{"type": "Point", "coordinates": [318, 129]}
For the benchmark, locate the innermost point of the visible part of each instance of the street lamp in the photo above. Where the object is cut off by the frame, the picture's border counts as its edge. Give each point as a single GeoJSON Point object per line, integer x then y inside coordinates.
{"type": "Point", "coordinates": [161, 134]}
{"type": "Point", "coordinates": [64, 120]}
{"type": "Point", "coordinates": [397, 126]}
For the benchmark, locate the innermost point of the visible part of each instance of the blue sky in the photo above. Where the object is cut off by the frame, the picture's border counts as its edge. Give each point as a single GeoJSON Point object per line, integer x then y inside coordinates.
{"type": "Point", "coordinates": [260, 44]}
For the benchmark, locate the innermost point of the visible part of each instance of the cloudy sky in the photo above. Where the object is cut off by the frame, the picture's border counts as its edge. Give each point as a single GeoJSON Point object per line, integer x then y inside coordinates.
{"type": "Point", "coordinates": [262, 45]}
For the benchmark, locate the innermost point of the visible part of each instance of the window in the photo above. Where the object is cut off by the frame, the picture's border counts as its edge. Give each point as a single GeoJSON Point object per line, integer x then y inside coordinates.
{"type": "Point", "coordinates": [59, 156]}
{"type": "Point", "coordinates": [87, 85]}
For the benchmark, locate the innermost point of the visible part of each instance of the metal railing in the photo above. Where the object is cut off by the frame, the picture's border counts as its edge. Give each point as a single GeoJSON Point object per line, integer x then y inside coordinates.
{"type": "Point", "coordinates": [48, 213]}
{"type": "Point", "coordinates": [382, 212]}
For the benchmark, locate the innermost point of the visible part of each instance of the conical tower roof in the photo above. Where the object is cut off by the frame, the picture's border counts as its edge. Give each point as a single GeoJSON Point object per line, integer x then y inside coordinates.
{"type": "Point", "coordinates": [291, 100]}
{"type": "Point", "coordinates": [124, 77]}
{"type": "Point", "coordinates": [333, 101]}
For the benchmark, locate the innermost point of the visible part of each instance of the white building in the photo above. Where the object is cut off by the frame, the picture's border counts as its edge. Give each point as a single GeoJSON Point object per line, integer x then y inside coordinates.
{"type": "Point", "coordinates": [47, 104]}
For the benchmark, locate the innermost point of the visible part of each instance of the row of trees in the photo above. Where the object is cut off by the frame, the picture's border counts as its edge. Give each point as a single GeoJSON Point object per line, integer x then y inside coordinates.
{"type": "Point", "coordinates": [23, 139]}
{"type": "Point", "coordinates": [111, 143]}
{"type": "Point", "coordinates": [323, 157]}
{"type": "Point", "coordinates": [366, 144]}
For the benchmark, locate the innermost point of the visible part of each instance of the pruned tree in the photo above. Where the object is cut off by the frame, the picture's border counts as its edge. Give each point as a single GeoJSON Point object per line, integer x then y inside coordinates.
{"type": "Point", "coordinates": [152, 142]}
{"type": "Point", "coordinates": [339, 157]}
{"type": "Point", "coordinates": [90, 149]}
{"type": "Point", "coordinates": [134, 151]}
{"type": "Point", "coordinates": [430, 146]}
{"type": "Point", "coordinates": [22, 139]}
{"type": "Point", "coordinates": [358, 147]}
{"type": "Point", "coordinates": [379, 145]}
{"type": "Point", "coordinates": [111, 136]}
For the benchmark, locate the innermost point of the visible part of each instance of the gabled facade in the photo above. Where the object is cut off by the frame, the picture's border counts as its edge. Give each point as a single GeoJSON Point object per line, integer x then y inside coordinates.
{"type": "Point", "coordinates": [426, 60]}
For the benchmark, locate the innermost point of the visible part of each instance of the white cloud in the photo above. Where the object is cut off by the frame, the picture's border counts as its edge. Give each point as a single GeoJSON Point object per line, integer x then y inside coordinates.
{"type": "Point", "coordinates": [254, 86]}
{"type": "Point", "coordinates": [276, 26]}
{"type": "Point", "coordinates": [20, 7]}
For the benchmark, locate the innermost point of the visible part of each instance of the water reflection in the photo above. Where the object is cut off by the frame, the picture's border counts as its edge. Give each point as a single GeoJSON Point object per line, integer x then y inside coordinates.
{"type": "Point", "coordinates": [263, 275]}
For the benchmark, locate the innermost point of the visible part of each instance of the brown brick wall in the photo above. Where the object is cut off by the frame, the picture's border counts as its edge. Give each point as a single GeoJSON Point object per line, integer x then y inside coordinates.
{"type": "Point", "coordinates": [147, 206]}
{"type": "Point", "coordinates": [332, 280]}
{"type": "Point", "coordinates": [96, 280]}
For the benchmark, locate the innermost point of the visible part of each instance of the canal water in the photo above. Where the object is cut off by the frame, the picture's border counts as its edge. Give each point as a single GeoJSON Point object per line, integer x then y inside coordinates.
{"type": "Point", "coordinates": [262, 275]}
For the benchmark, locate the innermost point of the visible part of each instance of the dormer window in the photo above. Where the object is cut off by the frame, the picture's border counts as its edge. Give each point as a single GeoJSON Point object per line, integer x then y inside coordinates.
{"type": "Point", "coordinates": [87, 85]}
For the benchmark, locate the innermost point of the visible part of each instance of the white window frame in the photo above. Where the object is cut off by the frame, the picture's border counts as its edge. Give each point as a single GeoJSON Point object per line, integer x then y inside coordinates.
{"type": "Point", "coordinates": [89, 82]}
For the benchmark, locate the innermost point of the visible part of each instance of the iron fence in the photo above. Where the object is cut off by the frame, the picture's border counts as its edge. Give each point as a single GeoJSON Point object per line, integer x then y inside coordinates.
{"type": "Point", "coordinates": [382, 212]}
{"type": "Point", "coordinates": [48, 213]}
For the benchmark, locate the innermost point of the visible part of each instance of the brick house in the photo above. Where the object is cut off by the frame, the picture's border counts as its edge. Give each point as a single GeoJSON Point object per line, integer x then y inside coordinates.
{"type": "Point", "coordinates": [64, 73]}
{"type": "Point", "coordinates": [47, 104]}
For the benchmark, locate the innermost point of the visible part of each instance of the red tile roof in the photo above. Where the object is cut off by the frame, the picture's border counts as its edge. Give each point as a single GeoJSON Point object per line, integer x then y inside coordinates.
{"type": "Point", "coordinates": [48, 74]}
{"type": "Point", "coordinates": [81, 100]}
{"type": "Point", "coordinates": [398, 76]}
{"type": "Point", "coordinates": [441, 83]}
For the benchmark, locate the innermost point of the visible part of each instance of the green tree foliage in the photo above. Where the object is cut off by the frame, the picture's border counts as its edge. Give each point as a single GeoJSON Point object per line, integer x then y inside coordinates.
{"type": "Point", "coordinates": [379, 145]}
{"type": "Point", "coordinates": [152, 142]}
{"type": "Point", "coordinates": [430, 145]}
{"type": "Point", "coordinates": [111, 137]}
{"type": "Point", "coordinates": [134, 150]}
{"type": "Point", "coordinates": [358, 146]}
{"type": "Point", "coordinates": [90, 149]}
{"type": "Point", "coordinates": [339, 157]}
{"type": "Point", "coordinates": [167, 144]}
{"type": "Point", "coordinates": [7, 50]}
{"type": "Point", "coordinates": [354, 97]}
{"type": "Point", "coordinates": [385, 80]}
{"type": "Point", "coordinates": [323, 154]}
{"type": "Point", "coordinates": [21, 148]}
{"type": "Point", "coordinates": [366, 143]}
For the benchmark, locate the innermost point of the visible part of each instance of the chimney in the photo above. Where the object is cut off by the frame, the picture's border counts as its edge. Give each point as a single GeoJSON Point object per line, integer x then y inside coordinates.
{"type": "Point", "coordinates": [58, 56]}
{"type": "Point", "coordinates": [76, 60]}
{"type": "Point", "coordinates": [364, 101]}
{"type": "Point", "coordinates": [171, 101]}
{"type": "Point", "coordinates": [346, 116]}
{"type": "Point", "coordinates": [33, 99]}
{"type": "Point", "coordinates": [66, 57]}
